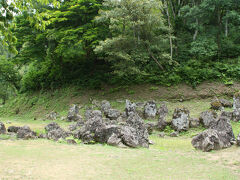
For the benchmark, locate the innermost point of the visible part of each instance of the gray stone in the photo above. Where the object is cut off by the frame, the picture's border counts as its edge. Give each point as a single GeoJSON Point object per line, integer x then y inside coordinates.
{"type": "Point", "coordinates": [13, 129]}
{"type": "Point", "coordinates": [163, 110]}
{"type": "Point", "coordinates": [114, 140]}
{"type": "Point", "coordinates": [218, 136]}
{"type": "Point", "coordinates": [216, 105]}
{"type": "Point", "coordinates": [161, 124]}
{"type": "Point", "coordinates": [161, 134]}
{"type": "Point", "coordinates": [130, 108]}
{"type": "Point", "coordinates": [73, 127]}
{"type": "Point", "coordinates": [137, 123]}
{"type": "Point", "coordinates": [174, 134]}
{"type": "Point", "coordinates": [2, 128]}
{"type": "Point", "coordinates": [238, 140]}
{"type": "Point", "coordinates": [150, 109]}
{"type": "Point", "coordinates": [73, 113]}
{"type": "Point", "coordinates": [71, 141]}
{"type": "Point", "coordinates": [105, 106]}
{"type": "Point", "coordinates": [25, 133]}
{"type": "Point", "coordinates": [51, 126]}
{"type": "Point", "coordinates": [210, 139]}
{"type": "Point", "coordinates": [226, 103]}
{"type": "Point", "coordinates": [57, 134]}
{"type": "Point", "coordinates": [236, 107]}
{"type": "Point", "coordinates": [112, 114]}
{"type": "Point", "coordinates": [150, 127]}
{"type": "Point", "coordinates": [194, 122]}
{"type": "Point", "coordinates": [180, 121]}
{"type": "Point", "coordinates": [207, 118]}
{"type": "Point", "coordinates": [227, 114]}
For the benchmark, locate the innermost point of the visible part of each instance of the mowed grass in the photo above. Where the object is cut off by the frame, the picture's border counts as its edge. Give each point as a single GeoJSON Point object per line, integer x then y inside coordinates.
{"type": "Point", "coordinates": [168, 158]}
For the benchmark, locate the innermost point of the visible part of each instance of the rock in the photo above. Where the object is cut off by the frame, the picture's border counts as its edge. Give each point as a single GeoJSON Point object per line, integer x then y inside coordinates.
{"type": "Point", "coordinates": [73, 113]}
{"type": "Point", "coordinates": [129, 136]}
{"type": "Point", "coordinates": [57, 134]}
{"type": "Point", "coordinates": [226, 103]}
{"type": "Point", "coordinates": [141, 131]}
{"type": "Point", "coordinates": [51, 126]}
{"type": "Point", "coordinates": [114, 140]}
{"type": "Point", "coordinates": [163, 110]}
{"type": "Point", "coordinates": [223, 125]}
{"type": "Point", "coordinates": [161, 134]}
{"type": "Point", "coordinates": [236, 115]}
{"type": "Point", "coordinates": [150, 109]}
{"type": "Point", "coordinates": [87, 132]}
{"type": "Point", "coordinates": [71, 141]}
{"type": "Point", "coordinates": [103, 133]}
{"type": "Point", "coordinates": [13, 129]}
{"type": "Point", "coordinates": [63, 118]}
{"type": "Point", "coordinates": [42, 136]}
{"type": "Point", "coordinates": [52, 115]}
{"type": "Point", "coordinates": [210, 139]}
{"type": "Point", "coordinates": [174, 134]}
{"type": "Point", "coordinates": [105, 106]}
{"type": "Point", "coordinates": [238, 140]}
{"type": "Point", "coordinates": [2, 128]}
{"type": "Point", "coordinates": [112, 114]}
{"type": "Point", "coordinates": [236, 107]}
{"type": "Point", "coordinates": [194, 122]}
{"type": "Point", "coordinates": [208, 117]}
{"type": "Point", "coordinates": [218, 136]}
{"type": "Point", "coordinates": [151, 142]}
{"type": "Point", "coordinates": [150, 127]}
{"type": "Point", "coordinates": [26, 133]}
{"type": "Point", "coordinates": [73, 127]}
{"type": "Point", "coordinates": [180, 121]}
{"type": "Point", "coordinates": [161, 124]}
{"type": "Point", "coordinates": [130, 108]}
{"type": "Point", "coordinates": [96, 103]}
{"type": "Point", "coordinates": [216, 105]}
{"type": "Point", "coordinates": [226, 114]}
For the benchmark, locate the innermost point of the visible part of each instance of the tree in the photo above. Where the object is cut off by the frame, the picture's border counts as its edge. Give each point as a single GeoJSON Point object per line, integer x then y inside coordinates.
{"type": "Point", "coordinates": [138, 36]}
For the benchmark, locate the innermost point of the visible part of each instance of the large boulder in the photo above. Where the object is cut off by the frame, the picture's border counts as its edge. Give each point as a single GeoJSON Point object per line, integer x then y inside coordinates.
{"type": "Point", "coordinates": [218, 136]}
{"type": "Point", "coordinates": [55, 132]}
{"type": "Point", "coordinates": [238, 140]}
{"type": "Point", "coordinates": [161, 124]}
{"type": "Point", "coordinates": [216, 105]}
{"type": "Point", "coordinates": [236, 107]}
{"type": "Point", "coordinates": [226, 103]}
{"type": "Point", "coordinates": [73, 113]}
{"type": "Point", "coordinates": [207, 118]}
{"type": "Point", "coordinates": [26, 133]}
{"type": "Point", "coordinates": [227, 114]}
{"type": "Point", "coordinates": [163, 110]}
{"type": "Point", "coordinates": [150, 109]}
{"type": "Point", "coordinates": [223, 125]}
{"type": "Point", "coordinates": [210, 139]}
{"type": "Point", "coordinates": [2, 128]}
{"type": "Point", "coordinates": [87, 131]}
{"type": "Point", "coordinates": [13, 129]}
{"type": "Point", "coordinates": [105, 106]}
{"type": "Point", "coordinates": [73, 127]}
{"type": "Point", "coordinates": [113, 114]}
{"type": "Point", "coordinates": [102, 134]}
{"type": "Point", "coordinates": [194, 122]}
{"type": "Point", "coordinates": [130, 108]}
{"type": "Point", "coordinates": [51, 126]}
{"type": "Point", "coordinates": [180, 121]}
{"type": "Point", "coordinates": [141, 132]}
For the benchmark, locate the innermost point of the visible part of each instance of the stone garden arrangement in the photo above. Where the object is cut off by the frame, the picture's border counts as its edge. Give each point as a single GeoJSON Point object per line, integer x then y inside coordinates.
{"type": "Point", "coordinates": [103, 124]}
